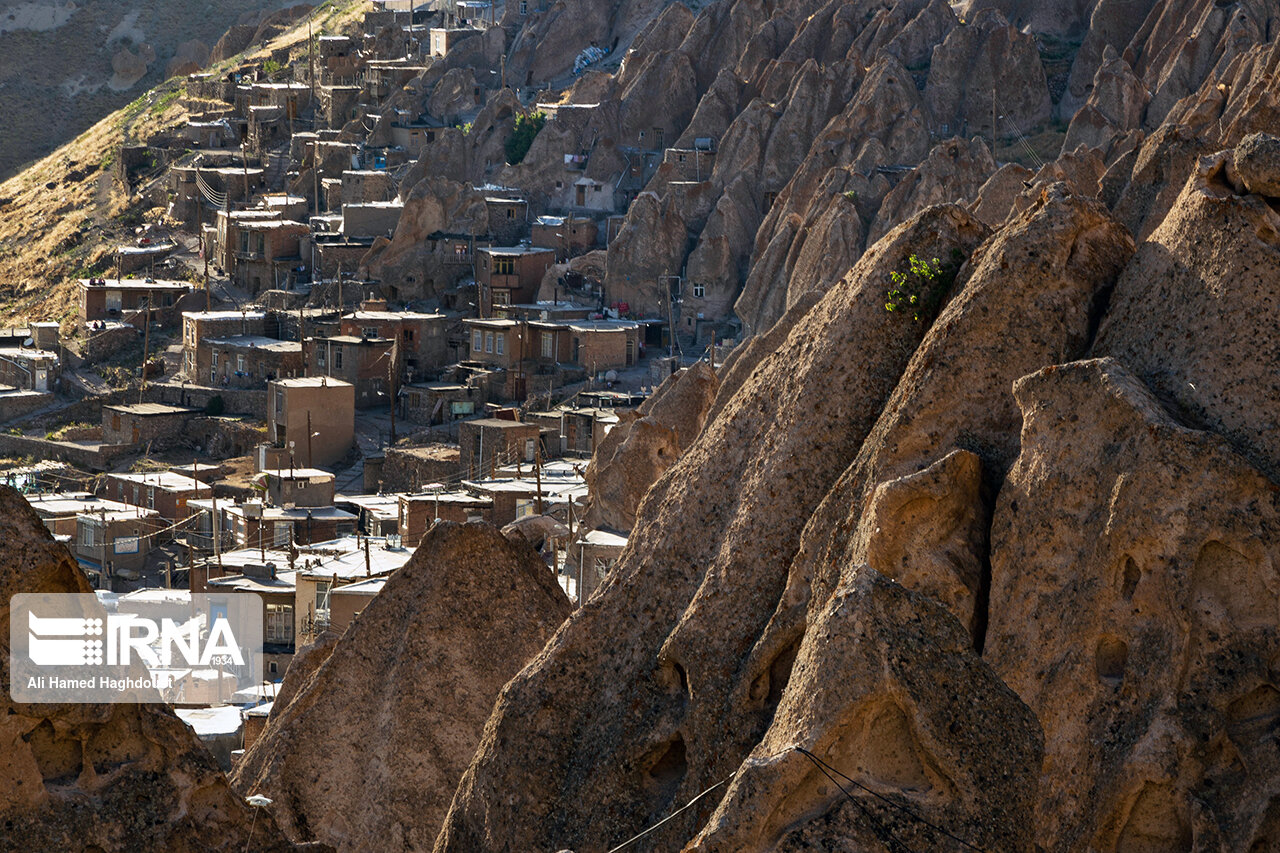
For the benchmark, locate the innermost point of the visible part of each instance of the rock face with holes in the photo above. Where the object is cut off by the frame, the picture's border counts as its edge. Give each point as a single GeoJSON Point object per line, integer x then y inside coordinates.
{"type": "Point", "coordinates": [644, 444]}
{"type": "Point", "coordinates": [1134, 607]}
{"type": "Point", "coordinates": [415, 675]}
{"type": "Point", "coordinates": [1213, 356]}
{"type": "Point", "coordinates": [694, 590]}
{"type": "Point", "coordinates": [102, 777]}
{"type": "Point", "coordinates": [887, 692]}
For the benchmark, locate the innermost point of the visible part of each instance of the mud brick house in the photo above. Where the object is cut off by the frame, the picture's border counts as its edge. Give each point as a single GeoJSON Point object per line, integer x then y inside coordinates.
{"type": "Point", "coordinates": [163, 491]}
{"type": "Point", "coordinates": [488, 443]}
{"type": "Point", "coordinates": [569, 235]}
{"type": "Point", "coordinates": [597, 345]}
{"type": "Point", "coordinates": [247, 361]}
{"type": "Point", "coordinates": [508, 219]}
{"type": "Point", "coordinates": [156, 424]}
{"type": "Point", "coordinates": [423, 339]}
{"type": "Point", "coordinates": [510, 275]}
{"type": "Point", "coordinates": [364, 363]}
{"type": "Point", "coordinates": [253, 525]}
{"type": "Point", "coordinates": [296, 486]}
{"type": "Point", "coordinates": [111, 544]}
{"type": "Point", "coordinates": [58, 510]}
{"type": "Point", "coordinates": [419, 512]}
{"type": "Point", "coordinates": [115, 299]}
{"type": "Point", "coordinates": [312, 416]}
{"type": "Point", "coordinates": [29, 369]}
{"type": "Point", "coordinates": [268, 254]}
{"type": "Point", "coordinates": [198, 326]}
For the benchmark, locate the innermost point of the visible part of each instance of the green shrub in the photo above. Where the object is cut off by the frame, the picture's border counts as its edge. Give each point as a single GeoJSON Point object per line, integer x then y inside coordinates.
{"type": "Point", "coordinates": [522, 136]}
{"type": "Point", "coordinates": [921, 289]}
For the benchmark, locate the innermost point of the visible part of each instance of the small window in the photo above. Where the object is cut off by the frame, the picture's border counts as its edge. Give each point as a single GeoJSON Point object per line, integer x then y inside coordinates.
{"type": "Point", "coordinates": [548, 345]}
{"type": "Point", "coordinates": [369, 332]}
{"type": "Point", "coordinates": [511, 214]}
{"type": "Point", "coordinates": [337, 359]}
{"type": "Point", "coordinates": [699, 290]}
{"type": "Point", "coordinates": [320, 357]}
{"type": "Point", "coordinates": [488, 341]}
{"type": "Point", "coordinates": [504, 266]}
{"type": "Point", "coordinates": [151, 497]}
{"type": "Point", "coordinates": [408, 334]}
{"type": "Point", "coordinates": [477, 340]}
{"type": "Point", "coordinates": [500, 344]}
{"type": "Point", "coordinates": [279, 401]}
{"type": "Point", "coordinates": [501, 296]}
{"type": "Point", "coordinates": [524, 7]}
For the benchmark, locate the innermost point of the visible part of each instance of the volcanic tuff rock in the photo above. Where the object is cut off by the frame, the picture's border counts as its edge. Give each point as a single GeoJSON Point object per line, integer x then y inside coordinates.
{"type": "Point", "coordinates": [1214, 256]}
{"type": "Point", "coordinates": [693, 591]}
{"type": "Point", "coordinates": [1029, 297]}
{"type": "Point", "coordinates": [954, 171]}
{"type": "Point", "coordinates": [102, 777]}
{"type": "Point", "coordinates": [419, 669]}
{"type": "Point", "coordinates": [1134, 601]}
{"type": "Point", "coordinates": [645, 443]}
{"type": "Point", "coordinates": [986, 59]}
{"type": "Point", "coordinates": [886, 689]}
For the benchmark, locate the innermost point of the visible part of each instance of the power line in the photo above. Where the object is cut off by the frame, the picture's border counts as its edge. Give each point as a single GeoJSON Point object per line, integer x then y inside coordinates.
{"type": "Point", "coordinates": [822, 764]}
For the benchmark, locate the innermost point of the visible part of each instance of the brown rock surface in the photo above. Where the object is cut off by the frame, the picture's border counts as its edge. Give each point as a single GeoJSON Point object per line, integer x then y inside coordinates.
{"type": "Point", "coordinates": [1134, 608]}
{"type": "Point", "coordinates": [642, 446]}
{"type": "Point", "coordinates": [1194, 313]}
{"type": "Point", "coordinates": [697, 583]}
{"type": "Point", "coordinates": [885, 690]}
{"type": "Point", "coordinates": [953, 172]}
{"type": "Point", "coordinates": [418, 671]}
{"type": "Point", "coordinates": [988, 54]}
{"type": "Point", "coordinates": [102, 777]}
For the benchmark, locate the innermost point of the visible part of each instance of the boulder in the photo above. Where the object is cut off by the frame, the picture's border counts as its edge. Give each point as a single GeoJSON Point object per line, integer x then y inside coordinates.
{"type": "Point", "coordinates": [1257, 162]}
{"type": "Point", "coordinates": [415, 675]}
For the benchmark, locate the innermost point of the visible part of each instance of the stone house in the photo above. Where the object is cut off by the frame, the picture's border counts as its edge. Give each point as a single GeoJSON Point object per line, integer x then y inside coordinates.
{"type": "Point", "coordinates": [247, 361]}
{"type": "Point", "coordinates": [510, 275]}
{"type": "Point", "coordinates": [508, 219]}
{"type": "Point", "coordinates": [114, 299]}
{"type": "Point", "coordinates": [569, 235]}
{"type": "Point", "coordinates": [163, 491]}
{"type": "Point", "coordinates": [419, 512]}
{"type": "Point", "coordinates": [488, 443]}
{"type": "Point", "coordinates": [59, 510]}
{"type": "Point", "coordinates": [313, 416]}
{"type": "Point", "coordinates": [423, 338]}
{"type": "Point", "coordinates": [267, 254]}
{"type": "Point", "coordinates": [110, 544]}
{"type": "Point", "coordinates": [155, 424]}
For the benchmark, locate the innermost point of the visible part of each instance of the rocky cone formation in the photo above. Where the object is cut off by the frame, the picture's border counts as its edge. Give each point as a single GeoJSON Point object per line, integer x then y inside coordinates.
{"type": "Point", "coordinates": [410, 684]}
{"type": "Point", "coordinates": [103, 777]}
{"type": "Point", "coordinates": [645, 443]}
{"type": "Point", "coordinates": [1134, 609]}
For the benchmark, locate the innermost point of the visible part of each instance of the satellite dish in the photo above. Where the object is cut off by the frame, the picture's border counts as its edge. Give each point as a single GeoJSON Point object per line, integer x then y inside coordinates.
{"type": "Point", "coordinates": [29, 342]}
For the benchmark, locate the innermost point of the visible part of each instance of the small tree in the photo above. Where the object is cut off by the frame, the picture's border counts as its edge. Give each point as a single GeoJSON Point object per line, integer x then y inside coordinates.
{"type": "Point", "coordinates": [527, 127]}
{"type": "Point", "coordinates": [921, 289]}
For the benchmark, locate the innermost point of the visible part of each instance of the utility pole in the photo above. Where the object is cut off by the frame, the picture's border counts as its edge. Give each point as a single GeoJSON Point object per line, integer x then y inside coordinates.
{"type": "Point", "coordinates": [146, 344]}
{"type": "Point", "coordinates": [244, 163]}
{"type": "Point", "coordinates": [315, 175]}
{"type": "Point", "coordinates": [392, 376]}
{"type": "Point", "coordinates": [993, 122]}
{"type": "Point", "coordinates": [537, 467]}
{"type": "Point", "coordinates": [311, 50]}
{"type": "Point", "coordinates": [309, 438]}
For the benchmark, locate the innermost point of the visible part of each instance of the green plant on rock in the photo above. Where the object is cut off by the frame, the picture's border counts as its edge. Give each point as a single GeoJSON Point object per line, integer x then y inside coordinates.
{"type": "Point", "coordinates": [527, 127]}
{"type": "Point", "coordinates": [920, 291]}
